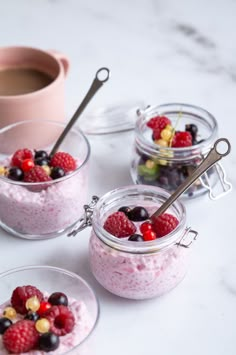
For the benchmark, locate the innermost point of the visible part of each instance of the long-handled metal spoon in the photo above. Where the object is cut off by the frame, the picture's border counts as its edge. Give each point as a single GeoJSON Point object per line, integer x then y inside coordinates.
{"type": "Point", "coordinates": [96, 84]}
{"type": "Point", "coordinates": [213, 156]}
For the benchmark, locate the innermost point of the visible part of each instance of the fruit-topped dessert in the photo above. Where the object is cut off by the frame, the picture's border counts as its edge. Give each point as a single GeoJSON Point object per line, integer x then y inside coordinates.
{"type": "Point", "coordinates": [171, 141]}
{"type": "Point", "coordinates": [133, 254]}
{"type": "Point", "coordinates": [34, 322]}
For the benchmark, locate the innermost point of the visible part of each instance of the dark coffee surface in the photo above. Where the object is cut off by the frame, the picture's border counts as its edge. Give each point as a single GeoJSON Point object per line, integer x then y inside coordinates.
{"type": "Point", "coordinates": [22, 81]}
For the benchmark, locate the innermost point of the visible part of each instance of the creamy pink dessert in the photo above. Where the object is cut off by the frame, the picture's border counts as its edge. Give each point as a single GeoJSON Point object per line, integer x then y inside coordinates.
{"type": "Point", "coordinates": [132, 272]}
{"type": "Point", "coordinates": [82, 327]}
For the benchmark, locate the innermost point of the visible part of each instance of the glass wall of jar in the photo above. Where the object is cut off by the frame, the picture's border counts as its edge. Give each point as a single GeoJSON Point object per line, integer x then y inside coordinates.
{"type": "Point", "coordinates": [160, 164]}
{"type": "Point", "coordinates": [138, 270]}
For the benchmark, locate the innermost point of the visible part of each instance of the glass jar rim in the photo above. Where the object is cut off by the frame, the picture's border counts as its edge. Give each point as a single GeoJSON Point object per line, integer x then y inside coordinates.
{"type": "Point", "coordinates": [65, 272]}
{"type": "Point", "coordinates": [144, 247]}
{"type": "Point", "coordinates": [51, 182]}
{"type": "Point", "coordinates": [153, 148]}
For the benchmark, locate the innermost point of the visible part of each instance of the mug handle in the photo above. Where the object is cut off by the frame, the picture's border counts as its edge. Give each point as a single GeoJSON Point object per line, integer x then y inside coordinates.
{"type": "Point", "coordinates": [62, 58]}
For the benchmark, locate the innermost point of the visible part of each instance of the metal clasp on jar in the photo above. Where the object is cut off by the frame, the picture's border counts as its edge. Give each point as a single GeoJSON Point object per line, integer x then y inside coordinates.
{"type": "Point", "coordinates": [86, 220]}
{"type": "Point", "coordinates": [188, 238]}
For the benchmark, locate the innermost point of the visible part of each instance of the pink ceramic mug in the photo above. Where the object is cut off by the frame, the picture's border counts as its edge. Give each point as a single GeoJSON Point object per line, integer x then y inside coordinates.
{"type": "Point", "coordinates": [44, 104]}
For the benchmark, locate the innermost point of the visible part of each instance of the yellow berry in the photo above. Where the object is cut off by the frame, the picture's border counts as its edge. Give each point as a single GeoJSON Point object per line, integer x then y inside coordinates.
{"type": "Point", "coordinates": [42, 325]}
{"type": "Point", "coordinates": [150, 164]}
{"type": "Point", "coordinates": [32, 304]}
{"type": "Point", "coordinates": [166, 134]}
{"type": "Point", "coordinates": [2, 171]}
{"type": "Point", "coordinates": [169, 127]}
{"type": "Point", "coordinates": [161, 142]}
{"type": "Point", "coordinates": [9, 312]}
{"type": "Point", "coordinates": [47, 169]}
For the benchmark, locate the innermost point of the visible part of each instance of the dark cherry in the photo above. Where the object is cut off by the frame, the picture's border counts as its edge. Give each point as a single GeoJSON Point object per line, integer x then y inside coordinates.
{"type": "Point", "coordinates": [48, 342]}
{"type": "Point", "coordinates": [138, 214]}
{"type": "Point", "coordinates": [192, 129]}
{"type": "Point", "coordinates": [125, 209]}
{"type": "Point", "coordinates": [32, 316]}
{"type": "Point", "coordinates": [15, 174]}
{"type": "Point", "coordinates": [57, 173]}
{"type": "Point", "coordinates": [4, 324]}
{"type": "Point", "coordinates": [58, 298]}
{"type": "Point", "coordinates": [40, 154]}
{"type": "Point", "coordinates": [41, 161]}
{"type": "Point", "coordinates": [136, 238]}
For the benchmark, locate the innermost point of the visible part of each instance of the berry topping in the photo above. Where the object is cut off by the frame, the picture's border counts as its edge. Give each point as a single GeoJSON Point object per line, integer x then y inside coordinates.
{"type": "Point", "coordinates": [4, 324]}
{"type": "Point", "coordinates": [119, 225]}
{"type": "Point", "coordinates": [149, 235]}
{"type": "Point", "coordinates": [41, 161]}
{"type": "Point", "coordinates": [37, 174]}
{"type": "Point", "coordinates": [44, 306]}
{"type": "Point", "coordinates": [42, 325]}
{"type": "Point", "coordinates": [15, 174]}
{"type": "Point", "coordinates": [58, 298]}
{"type": "Point", "coordinates": [164, 224]}
{"type": "Point", "coordinates": [48, 342]}
{"type": "Point", "coordinates": [40, 154]}
{"type": "Point", "coordinates": [125, 209]}
{"type": "Point", "coordinates": [64, 161]}
{"type": "Point", "coordinates": [57, 173]}
{"type": "Point", "coordinates": [19, 156]}
{"type": "Point", "coordinates": [158, 122]}
{"type": "Point", "coordinates": [20, 337]}
{"type": "Point", "coordinates": [21, 294]}
{"type": "Point", "coordinates": [146, 226]}
{"type": "Point", "coordinates": [61, 320]}
{"type": "Point", "coordinates": [32, 316]}
{"type": "Point", "coordinates": [136, 238]}
{"type": "Point", "coordinates": [181, 140]}
{"type": "Point", "coordinates": [138, 214]}
{"type": "Point", "coordinates": [27, 165]}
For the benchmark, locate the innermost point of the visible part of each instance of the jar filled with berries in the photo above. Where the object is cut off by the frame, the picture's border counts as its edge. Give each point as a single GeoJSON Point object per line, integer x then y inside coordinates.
{"type": "Point", "coordinates": [171, 140]}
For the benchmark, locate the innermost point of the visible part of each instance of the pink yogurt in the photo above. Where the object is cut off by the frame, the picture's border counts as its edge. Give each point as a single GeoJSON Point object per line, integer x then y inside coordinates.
{"type": "Point", "coordinates": [43, 212]}
{"type": "Point", "coordinates": [83, 326]}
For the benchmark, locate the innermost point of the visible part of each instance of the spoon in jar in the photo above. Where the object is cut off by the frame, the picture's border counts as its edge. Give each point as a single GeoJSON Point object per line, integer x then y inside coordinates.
{"type": "Point", "coordinates": [213, 156]}
{"type": "Point", "coordinates": [95, 86]}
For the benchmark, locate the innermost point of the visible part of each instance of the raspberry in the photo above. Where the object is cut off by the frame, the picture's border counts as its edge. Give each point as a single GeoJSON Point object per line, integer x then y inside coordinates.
{"type": "Point", "coordinates": [21, 337]}
{"type": "Point", "coordinates": [36, 174]}
{"type": "Point", "coordinates": [164, 224]}
{"type": "Point", "coordinates": [21, 155]}
{"type": "Point", "coordinates": [159, 122]}
{"type": "Point", "coordinates": [156, 134]}
{"type": "Point", "coordinates": [64, 161]}
{"type": "Point", "coordinates": [20, 296]}
{"type": "Point", "coordinates": [182, 139]}
{"type": "Point", "coordinates": [61, 320]}
{"type": "Point", "coordinates": [119, 225]}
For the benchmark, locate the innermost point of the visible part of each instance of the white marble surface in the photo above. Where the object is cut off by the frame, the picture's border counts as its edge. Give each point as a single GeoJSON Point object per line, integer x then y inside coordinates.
{"type": "Point", "coordinates": [158, 51]}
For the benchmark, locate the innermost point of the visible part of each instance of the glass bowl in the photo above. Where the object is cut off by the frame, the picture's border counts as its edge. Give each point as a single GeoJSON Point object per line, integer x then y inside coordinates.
{"type": "Point", "coordinates": [50, 279]}
{"type": "Point", "coordinates": [42, 210]}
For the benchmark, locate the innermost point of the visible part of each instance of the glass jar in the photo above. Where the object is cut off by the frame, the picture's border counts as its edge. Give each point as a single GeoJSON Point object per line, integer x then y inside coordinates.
{"type": "Point", "coordinates": [168, 167]}
{"type": "Point", "coordinates": [138, 270]}
{"type": "Point", "coordinates": [42, 210]}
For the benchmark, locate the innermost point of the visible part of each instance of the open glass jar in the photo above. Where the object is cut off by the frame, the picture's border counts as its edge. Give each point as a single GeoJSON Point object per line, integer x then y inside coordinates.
{"type": "Point", "coordinates": [168, 167]}
{"type": "Point", "coordinates": [138, 270]}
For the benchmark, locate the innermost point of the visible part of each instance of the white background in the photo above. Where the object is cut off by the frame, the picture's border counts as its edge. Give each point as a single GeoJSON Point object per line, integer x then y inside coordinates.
{"type": "Point", "coordinates": [158, 52]}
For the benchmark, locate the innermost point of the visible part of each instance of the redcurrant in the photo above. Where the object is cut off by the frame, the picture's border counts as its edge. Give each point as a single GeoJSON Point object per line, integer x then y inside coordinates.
{"type": "Point", "coordinates": [27, 165]}
{"type": "Point", "coordinates": [149, 235]}
{"type": "Point", "coordinates": [146, 226]}
{"type": "Point", "coordinates": [44, 306]}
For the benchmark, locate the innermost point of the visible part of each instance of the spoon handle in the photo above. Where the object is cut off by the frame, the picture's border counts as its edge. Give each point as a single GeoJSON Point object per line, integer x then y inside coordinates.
{"type": "Point", "coordinates": [95, 86]}
{"type": "Point", "coordinates": [213, 156]}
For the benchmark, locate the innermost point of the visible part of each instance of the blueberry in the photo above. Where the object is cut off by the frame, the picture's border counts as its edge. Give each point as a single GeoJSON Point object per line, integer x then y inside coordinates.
{"type": "Point", "coordinates": [41, 161]}
{"type": "Point", "coordinates": [58, 298]}
{"type": "Point", "coordinates": [15, 174]}
{"type": "Point", "coordinates": [48, 342]}
{"type": "Point", "coordinates": [136, 238]}
{"type": "Point", "coordinates": [57, 173]}
{"type": "Point", "coordinates": [4, 324]}
{"type": "Point", "coordinates": [32, 316]}
{"type": "Point", "coordinates": [125, 209]}
{"type": "Point", "coordinates": [40, 154]}
{"type": "Point", "coordinates": [138, 214]}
